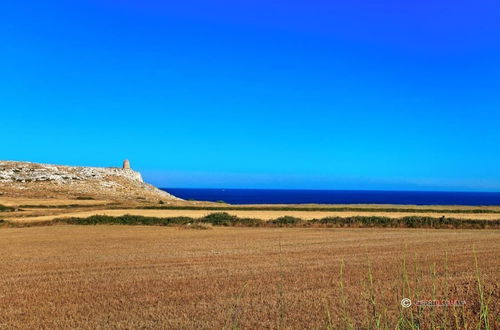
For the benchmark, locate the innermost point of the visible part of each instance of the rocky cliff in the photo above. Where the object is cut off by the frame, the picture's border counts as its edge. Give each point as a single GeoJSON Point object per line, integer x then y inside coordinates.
{"type": "Point", "coordinates": [44, 180]}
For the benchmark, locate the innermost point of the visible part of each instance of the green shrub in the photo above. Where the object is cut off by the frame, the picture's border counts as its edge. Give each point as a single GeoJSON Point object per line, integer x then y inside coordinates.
{"type": "Point", "coordinates": [286, 221]}
{"type": "Point", "coordinates": [356, 221]}
{"type": "Point", "coordinates": [220, 219]}
{"type": "Point", "coordinates": [248, 222]}
{"type": "Point", "coordinates": [127, 220]}
{"type": "Point", "coordinates": [225, 219]}
{"type": "Point", "coordinates": [406, 222]}
{"type": "Point", "coordinates": [4, 208]}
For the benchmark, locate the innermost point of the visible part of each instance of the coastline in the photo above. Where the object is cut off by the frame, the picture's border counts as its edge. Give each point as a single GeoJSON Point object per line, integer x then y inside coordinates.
{"type": "Point", "coordinates": [241, 196]}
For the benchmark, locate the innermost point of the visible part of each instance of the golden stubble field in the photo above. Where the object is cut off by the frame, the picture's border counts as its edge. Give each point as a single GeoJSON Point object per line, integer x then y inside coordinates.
{"type": "Point", "coordinates": [102, 276]}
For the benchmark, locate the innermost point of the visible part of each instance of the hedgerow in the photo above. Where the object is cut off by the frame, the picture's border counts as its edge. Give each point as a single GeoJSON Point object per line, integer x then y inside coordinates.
{"type": "Point", "coordinates": [228, 220]}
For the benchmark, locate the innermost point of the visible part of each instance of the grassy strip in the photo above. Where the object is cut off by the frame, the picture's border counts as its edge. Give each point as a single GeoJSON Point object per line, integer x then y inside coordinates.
{"type": "Point", "coordinates": [65, 206]}
{"type": "Point", "coordinates": [4, 208]}
{"type": "Point", "coordinates": [225, 219]}
{"type": "Point", "coordinates": [318, 208]}
{"type": "Point", "coordinates": [15, 224]}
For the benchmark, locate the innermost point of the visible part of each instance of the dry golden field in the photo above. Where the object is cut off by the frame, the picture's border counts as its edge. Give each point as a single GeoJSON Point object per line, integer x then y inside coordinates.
{"type": "Point", "coordinates": [68, 276]}
{"type": "Point", "coordinates": [16, 201]}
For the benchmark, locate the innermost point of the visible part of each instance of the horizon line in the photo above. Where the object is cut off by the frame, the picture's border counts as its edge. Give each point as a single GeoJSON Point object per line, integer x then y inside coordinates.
{"type": "Point", "coordinates": [367, 190]}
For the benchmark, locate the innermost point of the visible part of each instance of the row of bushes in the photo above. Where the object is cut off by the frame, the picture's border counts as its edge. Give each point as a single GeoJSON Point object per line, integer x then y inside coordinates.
{"type": "Point", "coordinates": [319, 208]}
{"type": "Point", "coordinates": [225, 219]}
{"type": "Point", "coordinates": [4, 208]}
{"type": "Point", "coordinates": [216, 219]}
{"type": "Point", "coordinates": [408, 222]}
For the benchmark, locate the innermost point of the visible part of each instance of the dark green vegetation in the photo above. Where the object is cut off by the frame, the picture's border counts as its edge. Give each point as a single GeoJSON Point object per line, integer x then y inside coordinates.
{"type": "Point", "coordinates": [225, 219]}
{"type": "Point", "coordinates": [319, 208]}
{"type": "Point", "coordinates": [4, 208]}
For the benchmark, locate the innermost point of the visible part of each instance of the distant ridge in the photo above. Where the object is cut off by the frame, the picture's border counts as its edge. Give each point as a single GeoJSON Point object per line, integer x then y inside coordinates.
{"type": "Point", "coordinates": [26, 179]}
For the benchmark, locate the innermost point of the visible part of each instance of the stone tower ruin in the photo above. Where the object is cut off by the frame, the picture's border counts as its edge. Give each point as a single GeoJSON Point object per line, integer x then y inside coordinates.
{"type": "Point", "coordinates": [126, 164]}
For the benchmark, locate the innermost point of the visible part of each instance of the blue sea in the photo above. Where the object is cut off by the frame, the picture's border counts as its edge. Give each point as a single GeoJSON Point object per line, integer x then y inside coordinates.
{"type": "Point", "coordinates": [275, 196]}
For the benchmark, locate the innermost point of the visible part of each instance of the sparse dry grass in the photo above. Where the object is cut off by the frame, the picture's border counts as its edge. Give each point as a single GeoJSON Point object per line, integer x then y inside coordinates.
{"type": "Point", "coordinates": [16, 201]}
{"type": "Point", "coordinates": [158, 277]}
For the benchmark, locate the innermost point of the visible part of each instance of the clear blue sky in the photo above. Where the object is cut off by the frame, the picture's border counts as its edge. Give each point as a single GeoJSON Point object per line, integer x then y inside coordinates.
{"type": "Point", "coordinates": [265, 94]}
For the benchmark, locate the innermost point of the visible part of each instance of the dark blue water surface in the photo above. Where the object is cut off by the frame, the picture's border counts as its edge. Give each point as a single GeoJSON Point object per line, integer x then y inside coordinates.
{"type": "Point", "coordinates": [275, 196]}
